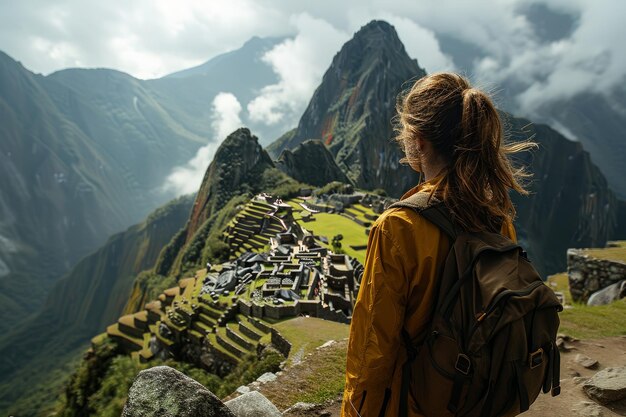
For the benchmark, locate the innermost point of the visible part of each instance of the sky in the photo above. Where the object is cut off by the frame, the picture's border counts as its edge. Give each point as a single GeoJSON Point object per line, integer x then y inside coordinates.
{"type": "Point", "coordinates": [527, 52]}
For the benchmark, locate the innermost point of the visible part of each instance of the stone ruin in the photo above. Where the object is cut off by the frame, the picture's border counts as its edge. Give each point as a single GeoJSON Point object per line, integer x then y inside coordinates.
{"type": "Point", "coordinates": [217, 317]}
{"type": "Point", "coordinates": [589, 277]}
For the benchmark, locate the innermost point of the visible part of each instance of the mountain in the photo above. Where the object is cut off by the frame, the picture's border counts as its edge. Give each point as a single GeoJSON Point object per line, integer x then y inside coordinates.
{"type": "Point", "coordinates": [240, 168]}
{"type": "Point", "coordinates": [598, 123]}
{"type": "Point", "coordinates": [80, 305]}
{"type": "Point", "coordinates": [570, 204]}
{"type": "Point", "coordinates": [352, 109]}
{"type": "Point", "coordinates": [83, 154]}
{"type": "Point", "coordinates": [187, 94]}
{"type": "Point", "coordinates": [231, 67]}
{"type": "Point", "coordinates": [311, 163]}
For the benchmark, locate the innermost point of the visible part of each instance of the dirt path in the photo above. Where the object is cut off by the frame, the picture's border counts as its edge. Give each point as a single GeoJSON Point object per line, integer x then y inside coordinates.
{"type": "Point", "coordinates": [572, 401]}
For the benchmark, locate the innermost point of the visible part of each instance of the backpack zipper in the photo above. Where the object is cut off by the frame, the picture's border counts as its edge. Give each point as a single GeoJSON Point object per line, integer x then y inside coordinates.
{"type": "Point", "coordinates": [496, 302]}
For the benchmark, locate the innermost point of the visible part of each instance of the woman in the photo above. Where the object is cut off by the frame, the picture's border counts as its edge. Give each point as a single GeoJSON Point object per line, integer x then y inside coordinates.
{"type": "Point", "coordinates": [452, 134]}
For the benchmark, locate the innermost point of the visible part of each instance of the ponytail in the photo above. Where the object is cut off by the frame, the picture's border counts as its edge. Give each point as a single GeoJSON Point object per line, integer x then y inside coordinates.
{"type": "Point", "coordinates": [465, 130]}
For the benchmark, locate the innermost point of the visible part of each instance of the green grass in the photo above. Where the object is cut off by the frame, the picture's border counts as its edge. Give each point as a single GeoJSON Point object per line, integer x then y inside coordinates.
{"type": "Point", "coordinates": [591, 322]}
{"type": "Point", "coordinates": [588, 322]}
{"type": "Point", "coordinates": [320, 379]}
{"type": "Point", "coordinates": [559, 282]}
{"type": "Point", "coordinates": [328, 380]}
{"type": "Point", "coordinates": [329, 225]}
{"type": "Point", "coordinates": [307, 333]}
{"type": "Point", "coordinates": [612, 254]}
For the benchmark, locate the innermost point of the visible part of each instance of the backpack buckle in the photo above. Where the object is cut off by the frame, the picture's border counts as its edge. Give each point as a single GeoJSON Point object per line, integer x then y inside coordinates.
{"type": "Point", "coordinates": [535, 359]}
{"type": "Point", "coordinates": [463, 364]}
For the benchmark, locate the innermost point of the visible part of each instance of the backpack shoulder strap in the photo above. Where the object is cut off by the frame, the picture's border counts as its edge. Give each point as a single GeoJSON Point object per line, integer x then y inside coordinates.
{"type": "Point", "coordinates": [432, 210]}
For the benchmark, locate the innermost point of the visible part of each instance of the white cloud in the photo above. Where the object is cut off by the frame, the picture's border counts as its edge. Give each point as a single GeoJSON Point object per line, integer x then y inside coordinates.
{"type": "Point", "coordinates": [151, 38]}
{"type": "Point", "coordinates": [226, 117]}
{"type": "Point", "coordinates": [299, 63]}
{"type": "Point", "coordinates": [186, 179]}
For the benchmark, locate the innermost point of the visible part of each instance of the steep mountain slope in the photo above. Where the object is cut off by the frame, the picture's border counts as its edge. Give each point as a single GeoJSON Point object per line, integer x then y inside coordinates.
{"type": "Point", "coordinates": [311, 163]}
{"type": "Point", "coordinates": [240, 167]}
{"type": "Point", "coordinates": [570, 204]}
{"type": "Point", "coordinates": [79, 306]}
{"type": "Point", "coordinates": [83, 154]}
{"type": "Point", "coordinates": [598, 122]}
{"type": "Point", "coordinates": [351, 110]}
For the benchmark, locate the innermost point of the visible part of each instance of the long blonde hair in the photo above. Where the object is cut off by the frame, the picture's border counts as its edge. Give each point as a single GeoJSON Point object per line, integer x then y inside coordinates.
{"type": "Point", "coordinates": [465, 131]}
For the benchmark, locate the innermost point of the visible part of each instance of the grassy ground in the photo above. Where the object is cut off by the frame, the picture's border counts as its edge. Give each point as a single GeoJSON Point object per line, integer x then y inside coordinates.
{"type": "Point", "coordinates": [329, 225]}
{"type": "Point", "coordinates": [614, 254]}
{"type": "Point", "coordinates": [319, 378]}
{"type": "Point", "coordinates": [588, 322]}
{"type": "Point", "coordinates": [307, 333]}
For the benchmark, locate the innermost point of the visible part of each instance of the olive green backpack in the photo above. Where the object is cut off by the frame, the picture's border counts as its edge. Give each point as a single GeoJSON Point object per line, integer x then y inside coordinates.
{"type": "Point", "coordinates": [491, 345]}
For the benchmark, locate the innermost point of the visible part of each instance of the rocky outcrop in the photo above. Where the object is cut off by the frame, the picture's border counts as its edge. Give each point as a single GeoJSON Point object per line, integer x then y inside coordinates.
{"type": "Point", "coordinates": [311, 163]}
{"type": "Point", "coordinates": [351, 110]}
{"type": "Point", "coordinates": [253, 404]}
{"type": "Point", "coordinates": [588, 275]}
{"type": "Point", "coordinates": [607, 386]}
{"type": "Point", "coordinates": [239, 160]}
{"type": "Point", "coordinates": [164, 392]}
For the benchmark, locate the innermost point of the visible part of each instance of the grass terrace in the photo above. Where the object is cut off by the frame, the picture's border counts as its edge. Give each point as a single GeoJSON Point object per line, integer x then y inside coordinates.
{"type": "Point", "coordinates": [307, 333]}
{"type": "Point", "coordinates": [330, 225]}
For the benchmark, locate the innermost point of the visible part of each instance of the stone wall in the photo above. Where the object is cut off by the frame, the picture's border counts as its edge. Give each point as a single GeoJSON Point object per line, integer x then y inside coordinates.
{"type": "Point", "coordinates": [280, 343]}
{"type": "Point", "coordinates": [588, 275]}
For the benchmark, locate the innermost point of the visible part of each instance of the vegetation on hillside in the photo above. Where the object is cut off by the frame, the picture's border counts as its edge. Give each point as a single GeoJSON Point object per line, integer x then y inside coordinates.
{"type": "Point", "coordinates": [99, 386]}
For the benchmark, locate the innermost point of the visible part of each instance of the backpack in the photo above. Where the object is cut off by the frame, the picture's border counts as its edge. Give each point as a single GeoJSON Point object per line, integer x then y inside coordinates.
{"type": "Point", "coordinates": [491, 345]}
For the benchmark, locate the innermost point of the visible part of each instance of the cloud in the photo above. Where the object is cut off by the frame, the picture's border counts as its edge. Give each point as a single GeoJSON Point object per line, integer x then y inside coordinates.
{"type": "Point", "coordinates": [186, 179]}
{"type": "Point", "coordinates": [145, 38]}
{"type": "Point", "coordinates": [151, 38]}
{"type": "Point", "coordinates": [299, 63]}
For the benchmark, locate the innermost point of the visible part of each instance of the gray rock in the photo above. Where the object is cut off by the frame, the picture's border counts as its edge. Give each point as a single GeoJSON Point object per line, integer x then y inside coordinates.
{"type": "Point", "coordinates": [609, 294]}
{"type": "Point", "coordinates": [301, 407]}
{"type": "Point", "coordinates": [266, 377]}
{"type": "Point", "coordinates": [586, 361]}
{"type": "Point", "coordinates": [587, 409]}
{"type": "Point", "coordinates": [607, 386]}
{"type": "Point", "coordinates": [243, 389]}
{"type": "Point", "coordinates": [164, 392]}
{"type": "Point", "coordinates": [253, 404]}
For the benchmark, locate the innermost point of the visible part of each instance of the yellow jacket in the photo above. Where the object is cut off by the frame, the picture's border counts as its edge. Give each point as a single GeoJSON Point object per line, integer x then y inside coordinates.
{"type": "Point", "coordinates": [405, 255]}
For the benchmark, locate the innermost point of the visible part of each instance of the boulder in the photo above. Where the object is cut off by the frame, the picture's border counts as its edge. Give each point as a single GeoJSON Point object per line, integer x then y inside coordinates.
{"type": "Point", "coordinates": [609, 294]}
{"type": "Point", "coordinates": [252, 404]}
{"type": "Point", "coordinates": [164, 392]}
{"type": "Point", "coordinates": [586, 361]}
{"type": "Point", "coordinates": [607, 386]}
{"type": "Point", "coordinates": [267, 377]}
